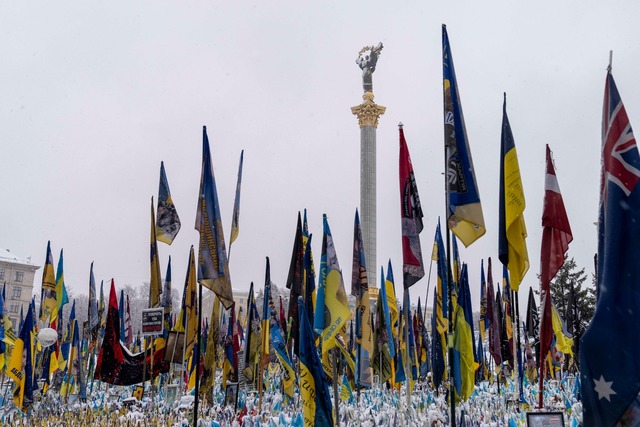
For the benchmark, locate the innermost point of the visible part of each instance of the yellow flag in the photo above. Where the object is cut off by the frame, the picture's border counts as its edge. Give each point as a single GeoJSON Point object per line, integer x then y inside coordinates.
{"type": "Point", "coordinates": [563, 342]}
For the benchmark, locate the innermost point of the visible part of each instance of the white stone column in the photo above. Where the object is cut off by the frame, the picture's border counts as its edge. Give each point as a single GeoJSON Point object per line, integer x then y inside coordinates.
{"type": "Point", "coordinates": [368, 114]}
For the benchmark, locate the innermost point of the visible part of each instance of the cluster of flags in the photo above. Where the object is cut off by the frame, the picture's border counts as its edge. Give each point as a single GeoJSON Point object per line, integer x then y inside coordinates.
{"type": "Point", "coordinates": [318, 330]}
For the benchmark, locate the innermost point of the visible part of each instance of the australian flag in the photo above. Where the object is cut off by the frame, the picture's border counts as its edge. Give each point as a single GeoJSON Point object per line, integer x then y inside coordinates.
{"type": "Point", "coordinates": [610, 373]}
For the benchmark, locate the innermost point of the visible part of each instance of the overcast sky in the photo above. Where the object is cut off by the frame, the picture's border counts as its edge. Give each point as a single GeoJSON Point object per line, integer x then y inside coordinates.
{"type": "Point", "coordinates": [94, 95]}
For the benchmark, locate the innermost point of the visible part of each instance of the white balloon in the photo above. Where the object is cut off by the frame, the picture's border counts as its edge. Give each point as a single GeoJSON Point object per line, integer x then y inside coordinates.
{"type": "Point", "coordinates": [47, 337]}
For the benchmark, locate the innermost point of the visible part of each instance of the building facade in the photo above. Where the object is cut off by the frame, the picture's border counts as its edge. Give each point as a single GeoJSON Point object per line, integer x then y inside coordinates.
{"type": "Point", "coordinates": [17, 275]}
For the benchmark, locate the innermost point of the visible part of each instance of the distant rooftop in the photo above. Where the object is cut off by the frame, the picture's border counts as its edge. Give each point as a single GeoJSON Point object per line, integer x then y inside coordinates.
{"type": "Point", "coordinates": [7, 256]}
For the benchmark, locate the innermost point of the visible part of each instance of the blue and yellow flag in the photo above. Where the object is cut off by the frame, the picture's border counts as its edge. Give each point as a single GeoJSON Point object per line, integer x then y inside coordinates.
{"type": "Point", "coordinates": [190, 306]}
{"type": "Point", "coordinates": [48, 293]}
{"type": "Point", "coordinates": [280, 349]}
{"type": "Point", "coordinates": [464, 358]}
{"type": "Point", "coordinates": [314, 390]}
{"type": "Point", "coordinates": [387, 298]}
{"type": "Point", "coordinates": [512, 231]}
{"type": "Point", "coordinates": [213, 264]}
{"type": "Point", "coordinates": [22, 363]}
{"type": "Point", "coordinates": [464, 211]}
{"type": "Point", "coordinates": [235, 221]}
{"type": "Point", "coordinates": [168, 222]}
{"type": "Point", "coordinates": [360, 288]}
{"type": "Point", "coordinates": [62, 297]}
{"type": "Point", "coordinates": [253, 340]}
{"type": "Point", "coordinates": [332, 304]}
{"type": "Point", "coordinates": [155, 284]}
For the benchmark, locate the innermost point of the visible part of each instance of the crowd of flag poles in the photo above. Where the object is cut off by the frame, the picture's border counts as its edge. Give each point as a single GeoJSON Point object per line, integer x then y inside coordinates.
{"type": "Point", "coordinates": [318, 341]}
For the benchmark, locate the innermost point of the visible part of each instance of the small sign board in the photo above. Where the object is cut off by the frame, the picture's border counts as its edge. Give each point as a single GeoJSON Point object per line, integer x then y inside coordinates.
{"type": "Point", "coordinates": [545, 419]}
{"type": "Point", "coordinates": [152, 320]}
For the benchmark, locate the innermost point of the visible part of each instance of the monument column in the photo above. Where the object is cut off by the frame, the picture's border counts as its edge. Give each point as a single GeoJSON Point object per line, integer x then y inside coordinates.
{"type": "Point", "coordinates": [368, 114]}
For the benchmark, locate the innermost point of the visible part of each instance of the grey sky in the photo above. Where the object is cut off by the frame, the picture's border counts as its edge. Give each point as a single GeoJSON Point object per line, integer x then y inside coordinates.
{"type": "Point", "coordinates": [95, 95]}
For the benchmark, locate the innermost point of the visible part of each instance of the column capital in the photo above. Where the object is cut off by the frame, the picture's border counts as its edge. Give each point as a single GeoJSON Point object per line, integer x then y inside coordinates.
{"type": "Point", "coordinates": [368, 112]}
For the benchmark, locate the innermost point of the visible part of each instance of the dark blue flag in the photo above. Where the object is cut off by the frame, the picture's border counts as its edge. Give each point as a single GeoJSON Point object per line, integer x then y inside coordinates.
{"type": "Point", "coordinates": [610, 373]}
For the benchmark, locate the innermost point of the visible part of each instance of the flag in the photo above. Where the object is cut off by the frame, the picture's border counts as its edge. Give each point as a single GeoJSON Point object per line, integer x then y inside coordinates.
{"type": "Point", "coordinates": [235, 221]}
{"type": "Point", "coordinates": [48, 294]}
{"type": "Point", "coordinates": [121, 315]}
{"type": "Point", "coordinates": [231, 348]}
{"type": "Point", "coordinates": [128, 328]}
{"type": "Point", "coordinates": [464, 357]}
{"type": "Point", "coordinates": [22, 363]}
{"type": "Point", "coordinates": [94, 319]}
{"type": "Point", "coordinates": [213, 264]}
{"type": "Point", "coordinates": [283, 319]}
{"type": "Point", "coordinates": [61, 295]}
{"type": "Point", "coordinates": [360, 288]}
{"type": "Point", "coordinates": [253, 340]}
{"type": "Point", "coordinates": [464, 211]}
{"type": "Point", "coordinates": [155, 285]}
{"type": "Point", "coordinates": [295, 281]}
{"type": "Point", "coordinates": [389, 298]}
{"type": "Point", "coordinates": [167, 298]}
{"type": "Point", "coordinates": [423, 341]}
{"type": "Point", "coordinates": [309, 285]}
{"type": "Point", "coordinates": [190, 305]}
{"type": "Point", "coordinates": [411, 214]}
{"type": "Point", "coordinates": [493, 313]}
{"type": "Point", "coordinates": [264, 354]}
{"type": "Point", "coordinates": [314, 390]}
{"type": "Point", "coordinates": [115, 364]}
{"type": "Point", "coordinates": [556, 236]}
{"type": "Point", "coordinates": [332, 307]}
{"type": "Point", "coordinates": [166, 301]}
{"type": "Point", "coordinates": [532, 324]}
{"type": "Point", "coordinates": [211, 356]}
{"type": "Point", "coordinates": [512, 231]}
{"type": "Point", "coordinates": [280, 349]}
{"type": "Point", "coordinates": [564, 342]}
{"type": "Point", "coordinates": [383, 340]}
{"type": "Point", "coordinates": [440, 320]}
{"type": "Point", "coordinates": [484, 318]}
{"type": "Point", "coordinates": [168, 222]}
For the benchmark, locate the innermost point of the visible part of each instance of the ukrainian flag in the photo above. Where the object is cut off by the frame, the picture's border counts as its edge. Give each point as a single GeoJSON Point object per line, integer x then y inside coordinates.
{"type": "Point", "coordinates": [512, 245]}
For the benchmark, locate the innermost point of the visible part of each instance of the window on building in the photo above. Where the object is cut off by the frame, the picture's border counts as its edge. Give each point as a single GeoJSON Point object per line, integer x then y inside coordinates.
{"type": "Point", "coordinates": [1, 273]}
{"type": "Point", "coordinates": [17, 292]}
{"type": "Point", "coordinates": [19, 276]}
{"type": "Point", "coordinates": [14, 308]}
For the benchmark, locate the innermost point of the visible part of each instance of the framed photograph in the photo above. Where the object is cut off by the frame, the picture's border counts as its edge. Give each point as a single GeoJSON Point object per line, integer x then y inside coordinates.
{"type": "Point", "coordinates": [231, 394]}
{"type": "Point", "coordinates": [545, 419]}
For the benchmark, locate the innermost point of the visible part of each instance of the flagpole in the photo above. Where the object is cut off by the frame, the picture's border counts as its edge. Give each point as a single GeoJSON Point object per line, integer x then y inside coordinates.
{"type": "Point", "coordinates": [197, 356]}
{"type": "Point", "coordinates": [336, 400]}
{"type": "Point", "coordinates": [407, 368]}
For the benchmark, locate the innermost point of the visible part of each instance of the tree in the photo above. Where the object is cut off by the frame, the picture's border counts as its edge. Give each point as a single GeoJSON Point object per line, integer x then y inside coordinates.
{"type": "Point", "coordinates": [574, 301]}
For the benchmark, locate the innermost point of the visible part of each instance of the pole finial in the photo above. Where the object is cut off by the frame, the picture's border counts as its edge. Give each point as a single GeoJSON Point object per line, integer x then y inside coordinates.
{"type": "Point", "coordinates": [610, 60]}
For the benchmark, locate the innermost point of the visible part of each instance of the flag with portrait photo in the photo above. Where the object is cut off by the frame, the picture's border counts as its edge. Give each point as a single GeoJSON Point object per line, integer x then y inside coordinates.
{"type": "Point", "coordinates": [168, 222]}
